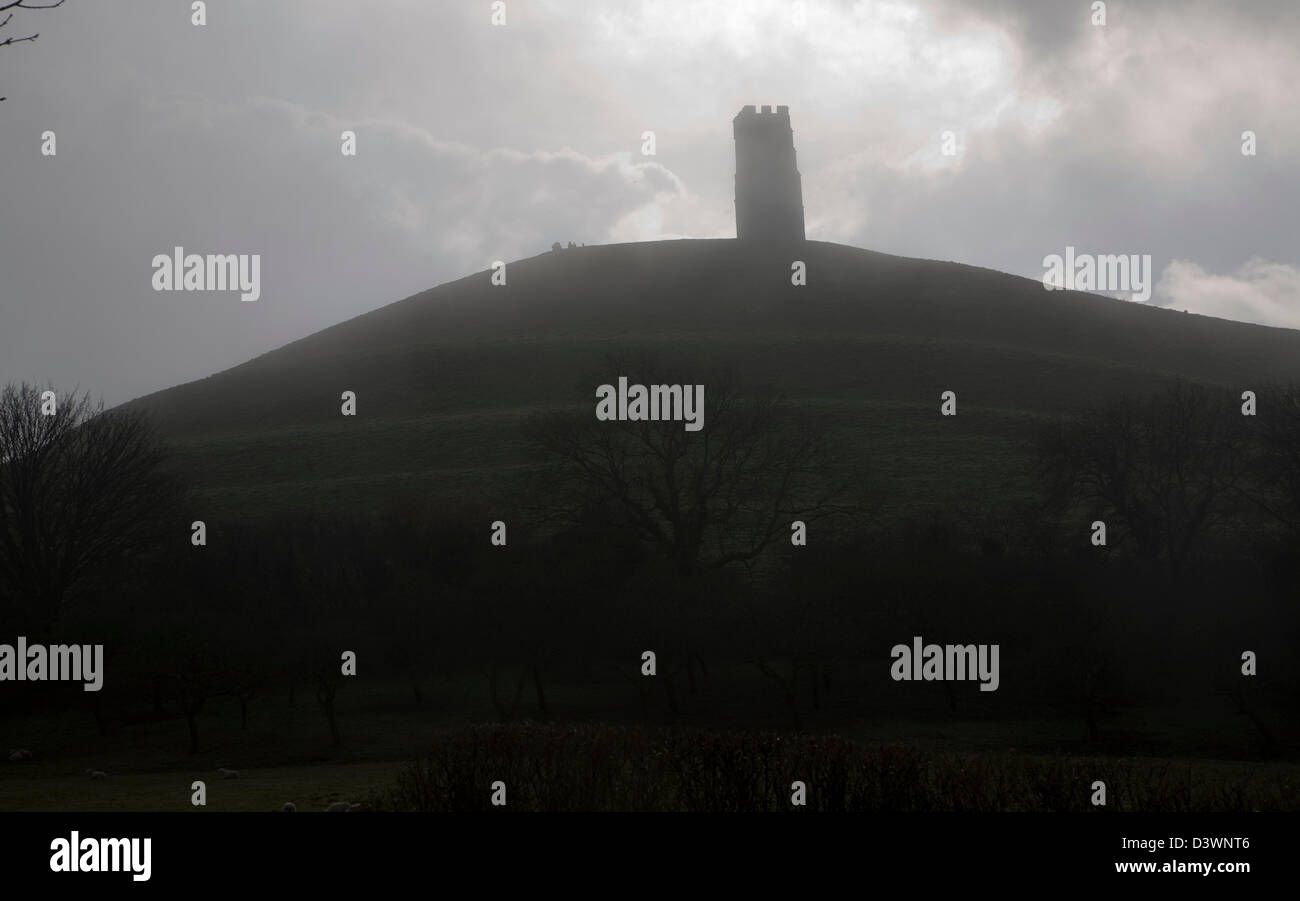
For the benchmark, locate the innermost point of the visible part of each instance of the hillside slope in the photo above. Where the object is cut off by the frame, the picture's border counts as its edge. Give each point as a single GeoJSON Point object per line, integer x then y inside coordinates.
{"type": "Point", "coordinates": [445, 377]}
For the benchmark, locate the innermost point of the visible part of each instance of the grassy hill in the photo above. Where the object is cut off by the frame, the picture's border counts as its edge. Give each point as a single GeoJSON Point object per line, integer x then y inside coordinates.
{"type": "Point", "coordinates": [445, 378]}
{"type": "Point", "coordinates": [1104, 659]}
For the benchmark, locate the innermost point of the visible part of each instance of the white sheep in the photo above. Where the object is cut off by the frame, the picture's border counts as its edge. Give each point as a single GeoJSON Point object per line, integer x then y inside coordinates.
{"type": "Point", "coordinates": [96, 774]}
{"type": "Point", "coordinates": [17, 754]}
{"type": "Point", "coordinates": [228, 774]}
{"type": "Point", "coordinates": [341, 807]}
{"type": "Point", "coordinates": [289, 807]}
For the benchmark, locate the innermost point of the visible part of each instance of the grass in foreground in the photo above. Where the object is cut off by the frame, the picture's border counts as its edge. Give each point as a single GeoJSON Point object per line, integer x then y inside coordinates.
{"type": "Point", "coordinates": [621, 768]}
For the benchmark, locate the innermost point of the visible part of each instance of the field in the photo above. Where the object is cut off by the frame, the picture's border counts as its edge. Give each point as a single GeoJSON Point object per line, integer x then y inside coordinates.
{"type": "Point", "coordinates": [1010, 762]}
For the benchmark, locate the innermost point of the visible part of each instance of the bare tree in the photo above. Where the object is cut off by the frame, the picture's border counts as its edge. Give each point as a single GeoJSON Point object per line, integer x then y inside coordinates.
{"type": "Point", "coordinates": [82, 494]}
{"type": "Point", "coordinates": [194, 687]}
{"type": "Point", "coordinates": [1169, 470]}
{"type": "Point", "coordinates": [6, 16]}
{"type": "Point", "coordinates": [706, 499]}
{"type": "Point", "coordinates": [328, 681]}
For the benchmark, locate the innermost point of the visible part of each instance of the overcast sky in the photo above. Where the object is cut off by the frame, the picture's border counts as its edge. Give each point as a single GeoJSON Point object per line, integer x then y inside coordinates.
{"type": "Point", "coordinates": [478, 142]}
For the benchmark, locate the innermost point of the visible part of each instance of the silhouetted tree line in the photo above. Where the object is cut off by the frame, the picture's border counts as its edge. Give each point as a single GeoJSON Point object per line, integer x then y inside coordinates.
{"type": "Point", "coordinates": [644, 536]}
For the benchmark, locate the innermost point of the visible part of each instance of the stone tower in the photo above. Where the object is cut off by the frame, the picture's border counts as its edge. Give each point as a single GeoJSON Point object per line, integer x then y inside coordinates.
{"type": "Point", "coordinates": [769, 194]}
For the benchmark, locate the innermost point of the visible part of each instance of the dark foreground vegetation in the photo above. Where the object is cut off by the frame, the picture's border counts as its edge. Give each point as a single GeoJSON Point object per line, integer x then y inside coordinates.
{"type": "Point", "coordinates": [611, 768]}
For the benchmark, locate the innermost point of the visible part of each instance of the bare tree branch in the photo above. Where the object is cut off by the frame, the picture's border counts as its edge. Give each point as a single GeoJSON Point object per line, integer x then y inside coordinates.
{"type": "Point", "coordinates": [6, 5]}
